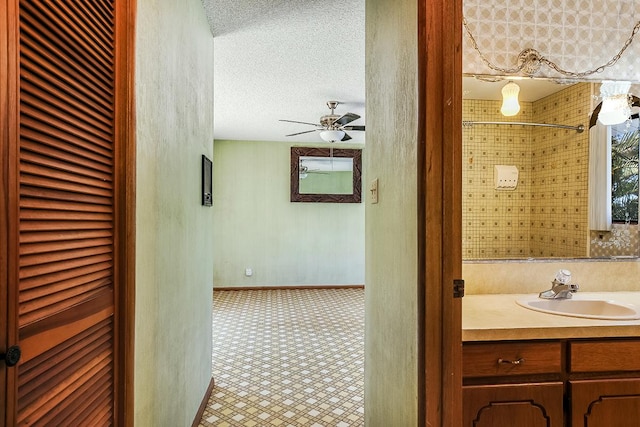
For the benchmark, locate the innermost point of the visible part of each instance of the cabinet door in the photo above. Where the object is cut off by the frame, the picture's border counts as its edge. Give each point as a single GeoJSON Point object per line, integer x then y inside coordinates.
{"type": "Point", "coordinates": [605, 403]}
{"type": "Point", "coordinates": [522, 405]}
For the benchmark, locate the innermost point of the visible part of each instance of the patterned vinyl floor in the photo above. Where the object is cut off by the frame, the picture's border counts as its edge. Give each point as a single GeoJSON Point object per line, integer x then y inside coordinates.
{"type": "Point", "coordinates": [287, 358]}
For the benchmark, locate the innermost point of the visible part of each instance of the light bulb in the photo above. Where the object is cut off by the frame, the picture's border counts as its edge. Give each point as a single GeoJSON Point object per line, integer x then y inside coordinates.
{"type": "Point", "coordinates": [510, 105]}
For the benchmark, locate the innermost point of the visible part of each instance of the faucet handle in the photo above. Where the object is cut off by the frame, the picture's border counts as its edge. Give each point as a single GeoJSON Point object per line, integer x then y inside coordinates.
{"type": "Point", "coordinates": [563, 276]}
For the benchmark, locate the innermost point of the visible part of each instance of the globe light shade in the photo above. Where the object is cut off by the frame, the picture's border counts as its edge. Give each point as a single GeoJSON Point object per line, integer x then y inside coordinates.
{"type": "Point", "coordinates": [510, 104]}
{"type": "Point", "coordinates": [332, 135]}
{"type": "Point", "coordinates": [615, 107]}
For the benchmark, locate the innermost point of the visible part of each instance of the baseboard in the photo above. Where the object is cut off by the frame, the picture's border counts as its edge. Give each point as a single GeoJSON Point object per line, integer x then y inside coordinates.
{"type": "Point", "coordinates": [203, 404]}
{"type": "Point", "coordinates": [279, 288]}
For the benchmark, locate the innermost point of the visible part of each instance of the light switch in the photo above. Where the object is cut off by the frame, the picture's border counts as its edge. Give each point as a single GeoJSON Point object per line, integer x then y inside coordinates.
{"type": "Point", "coordinates": [373, 191]}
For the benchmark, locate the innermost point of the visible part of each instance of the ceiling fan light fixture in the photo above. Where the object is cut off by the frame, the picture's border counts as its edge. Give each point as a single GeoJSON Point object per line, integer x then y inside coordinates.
{"type": "Point", "coordinates": [332, 135]}
{"type": "Point", "coordinates": [510, 104]}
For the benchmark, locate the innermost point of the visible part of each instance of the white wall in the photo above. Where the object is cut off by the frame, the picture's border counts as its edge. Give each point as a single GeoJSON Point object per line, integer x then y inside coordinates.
{"type": "Point", "coordinates": [256, 226]}
{"type": "Point", "coordinates": [174, 109]}
{"type": "Point", "coordinates": [391, 310]}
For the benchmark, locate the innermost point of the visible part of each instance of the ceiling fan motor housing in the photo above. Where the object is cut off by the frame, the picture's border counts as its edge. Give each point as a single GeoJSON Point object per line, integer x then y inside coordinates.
{"type": "Point", "coordinates": [329, 120]}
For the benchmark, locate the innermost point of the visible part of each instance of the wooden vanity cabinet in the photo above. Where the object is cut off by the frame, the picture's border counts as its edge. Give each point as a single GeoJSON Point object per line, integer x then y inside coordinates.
{"type": "Point", "coordinates": [586, 383]}
{"type": "Point", "coordinates": [513, 384]}
{"type": "Point", "coordinates": [613, 399]}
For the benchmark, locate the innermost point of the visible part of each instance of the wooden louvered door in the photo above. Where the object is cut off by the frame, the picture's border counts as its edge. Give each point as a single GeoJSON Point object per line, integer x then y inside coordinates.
{"type": "Point", "coordinates": [62, 207]}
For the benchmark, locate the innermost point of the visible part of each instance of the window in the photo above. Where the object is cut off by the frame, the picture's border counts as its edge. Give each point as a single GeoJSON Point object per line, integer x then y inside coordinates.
{"type": "Point", "coordinates": [624, 171]}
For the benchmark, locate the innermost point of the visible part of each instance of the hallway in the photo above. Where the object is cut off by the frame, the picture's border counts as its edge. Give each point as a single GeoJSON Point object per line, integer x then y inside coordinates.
{"type": "Point", "coordinates": [287, 358]}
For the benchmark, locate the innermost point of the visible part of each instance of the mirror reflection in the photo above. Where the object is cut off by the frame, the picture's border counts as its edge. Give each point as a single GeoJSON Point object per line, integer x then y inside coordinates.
{"type": "Point", "coordinates": [325, 175]}
{"type": "Point", "coordinates": [546, 214]}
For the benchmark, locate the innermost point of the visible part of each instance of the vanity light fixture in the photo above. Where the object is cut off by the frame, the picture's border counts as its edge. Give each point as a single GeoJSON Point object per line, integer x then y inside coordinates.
{"type": "Point", "coordinates": [616, 106]}
{"type": "Point", "coordinates": [510, 105]}
{"type": "Point", "coordinates": [332, 135]}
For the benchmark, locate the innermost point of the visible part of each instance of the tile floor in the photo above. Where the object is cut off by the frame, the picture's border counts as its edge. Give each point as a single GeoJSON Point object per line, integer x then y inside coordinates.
{"type": "Point", "coordinates": [287, 358]}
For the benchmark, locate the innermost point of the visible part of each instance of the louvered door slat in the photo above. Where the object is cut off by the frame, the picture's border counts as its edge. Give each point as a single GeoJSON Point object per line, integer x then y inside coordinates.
{"type": "Point", "coordinates": [93, 410]}
{"type": "Point", "coordinates": [77, 285]}
{"type": "Point", "coordinates": [36, 130]}
{"type": "Point", "coordinates": [43, 408]}
{"type": "Point", "coordinates": [38, 214]}
{"type": "Point", "coordinates": [75, 109]}
{"type": "Point", "coordinates": [64, 83]}
{"type": "Point", "coordinates": [74, 353]}
{"type": "Point", "coordinates": [69, 48]}
{"type": "Point", "coordinates": [51, 56]}
{"type": "Point", "coordinates": [45, 269]}
{"type": "Point", "coordinates": [63, 255]}
{"type": "Point", "coordinates": [41, 364]}
{"type": "Point", "coordinates": [65, 276]}
{"type": "Point", "coordinates": [58, 205]}
{"type": "Point", "coordinates": [65, 245]}
{"type": "Point", "coordinates": [53, 195]}
{"type": "Point", "coordinates": [94, 15]}
{"type": "Point", "coordinates": [56, 156]}
{"type": "Point", "coordinates": [51, 163]}
{"type": "Point", "coordinates": [83, 133]}
{"type": "Point", "coordinates": [58, 106]}
{"type": "Point", "coordinates": [66, 254]}
{"type": "Point", "coordinates": [90, 399]}
{"type": "Point", "coordinates": [71, 183]}
{"type": "Point", "coordinates": [94, 38]}
{"type": "Point", "coordinates": [61, 236]}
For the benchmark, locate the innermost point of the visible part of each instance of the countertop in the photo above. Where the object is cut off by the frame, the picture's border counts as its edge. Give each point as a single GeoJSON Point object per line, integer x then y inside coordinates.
{"type": "Point", "coordinates": [497, 317]}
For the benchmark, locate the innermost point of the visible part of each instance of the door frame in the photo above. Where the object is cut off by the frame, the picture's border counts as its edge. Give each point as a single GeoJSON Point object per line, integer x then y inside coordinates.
{"type": "Point", "coordinates": [440, 210]}
{"type": "Point", "coordinates": [125, 211]}
{"type": "Point", "coordinates": [8, 115]}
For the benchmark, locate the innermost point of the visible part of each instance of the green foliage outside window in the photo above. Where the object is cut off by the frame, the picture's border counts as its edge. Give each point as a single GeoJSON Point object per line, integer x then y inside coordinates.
{"type": "Point", "coordinates": [624, 174]}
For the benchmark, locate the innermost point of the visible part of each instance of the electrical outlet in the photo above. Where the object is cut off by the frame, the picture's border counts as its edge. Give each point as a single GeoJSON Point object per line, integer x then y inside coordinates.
{"type": "Point", "coordinates": [248, 272]}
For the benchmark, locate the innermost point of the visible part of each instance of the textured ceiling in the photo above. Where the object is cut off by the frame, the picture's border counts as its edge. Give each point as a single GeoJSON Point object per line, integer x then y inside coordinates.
{"type": "Point", "coordinates": [284, 59]}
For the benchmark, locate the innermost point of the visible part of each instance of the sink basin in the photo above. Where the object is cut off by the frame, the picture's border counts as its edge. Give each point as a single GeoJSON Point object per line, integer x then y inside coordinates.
{"type": "Point", "coordinates": [587, 308]}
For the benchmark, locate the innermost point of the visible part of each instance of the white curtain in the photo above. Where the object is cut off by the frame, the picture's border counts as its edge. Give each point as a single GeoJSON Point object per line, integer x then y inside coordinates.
{"type": "Point", "coordinates": [600, 177]}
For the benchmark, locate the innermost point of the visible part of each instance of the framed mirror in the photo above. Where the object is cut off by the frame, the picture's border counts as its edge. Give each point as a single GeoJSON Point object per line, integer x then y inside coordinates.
{"type": "Point", "coordinates": [546, 214]}
{"type": "Point", "coordinates": [326, 175]}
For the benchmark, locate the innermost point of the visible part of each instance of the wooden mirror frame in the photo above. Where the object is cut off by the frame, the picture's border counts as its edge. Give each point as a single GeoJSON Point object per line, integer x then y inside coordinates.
{"type": "Point", "coordinates": [297, 152]}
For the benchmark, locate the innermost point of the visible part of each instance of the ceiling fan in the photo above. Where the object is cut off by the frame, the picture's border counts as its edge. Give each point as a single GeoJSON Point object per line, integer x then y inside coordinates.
{"type": "Point", "coordinates": [332, 127]}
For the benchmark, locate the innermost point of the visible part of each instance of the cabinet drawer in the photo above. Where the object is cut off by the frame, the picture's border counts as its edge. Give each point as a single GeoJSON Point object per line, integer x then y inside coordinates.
{"type": "Point", "coordinates": [533, 404]}
{"type": "Point", "coordinates": [500, 359]}
{"type": "Point", "coordinates": [603, 356]}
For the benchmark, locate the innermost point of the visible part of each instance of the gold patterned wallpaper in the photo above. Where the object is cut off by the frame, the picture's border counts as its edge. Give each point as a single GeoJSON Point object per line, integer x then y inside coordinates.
{"type": "Point", "coordinates": [546, 215]}
{"type": "Point", "coordinates": [578, 35]}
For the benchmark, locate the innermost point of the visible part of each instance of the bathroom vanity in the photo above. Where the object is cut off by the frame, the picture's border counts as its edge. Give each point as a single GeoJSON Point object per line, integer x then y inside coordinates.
{"type": "Point", "coordinates": [540, 369]}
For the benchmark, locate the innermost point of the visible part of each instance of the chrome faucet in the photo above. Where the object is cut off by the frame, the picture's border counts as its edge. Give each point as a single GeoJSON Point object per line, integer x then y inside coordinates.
{"type": "Point", "coordinates": [560, 291]}
{"type": "Point", "coordinates": [560, 287]}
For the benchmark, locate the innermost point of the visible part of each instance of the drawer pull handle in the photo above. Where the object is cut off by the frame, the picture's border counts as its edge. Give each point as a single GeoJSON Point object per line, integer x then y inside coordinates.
{"type": "Point", "coordinates": [511, 362]}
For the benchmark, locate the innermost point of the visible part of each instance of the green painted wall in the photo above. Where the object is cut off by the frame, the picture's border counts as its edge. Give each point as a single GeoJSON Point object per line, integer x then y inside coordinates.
{"type": "Point", "coordinates": [256, 226]}
{"type": "Point", "coordinates": [391, 312]}
{"type": "Point", "coordinates": [174, 245]}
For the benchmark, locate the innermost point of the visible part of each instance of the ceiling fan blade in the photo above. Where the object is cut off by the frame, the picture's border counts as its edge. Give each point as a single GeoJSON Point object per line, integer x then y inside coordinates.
{"type": "Point", "coordinates": [353, 128]}
{"type": "Point", "coordinates": [303, 123]}
{"type": "Point", "coordinates": [300, 133]}
{"type": "Point", "coordinates": [346, 137]}
{"type": "Point", "coordinates": [346, 118]}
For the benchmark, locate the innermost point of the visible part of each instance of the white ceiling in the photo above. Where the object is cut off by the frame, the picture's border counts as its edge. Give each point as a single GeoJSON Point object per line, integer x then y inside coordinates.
{"type": "Point", "coordinates": [284, 59]}
{"type": "Point", "coordinates": [530, 89]}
